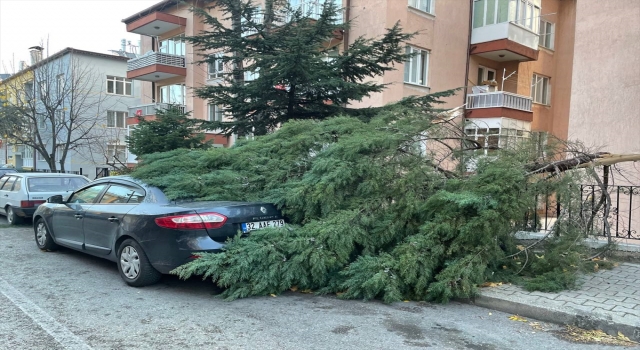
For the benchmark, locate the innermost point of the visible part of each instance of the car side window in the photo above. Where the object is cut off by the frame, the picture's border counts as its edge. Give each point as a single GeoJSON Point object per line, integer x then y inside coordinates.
{"type": "Point", "coordinates": [17, 185]}
{"type": "Point", "coordinates": [116, 194]}
{"type": "Point", "coordinates": [3, 179]}
{"type": "Point", "coordinates": [87, 195]}
{"type": "Point", "coordinates": [9, 184]}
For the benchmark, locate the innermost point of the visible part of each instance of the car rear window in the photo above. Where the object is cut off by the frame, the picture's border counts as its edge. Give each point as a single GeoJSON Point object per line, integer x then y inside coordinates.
{"type": "Point", "coordinates": [55, 184]}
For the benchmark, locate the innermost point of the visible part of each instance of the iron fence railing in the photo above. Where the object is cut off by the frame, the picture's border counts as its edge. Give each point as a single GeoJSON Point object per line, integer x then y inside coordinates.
{"type": "Point", "coordinates": [499, 99]}
{"type": "Point", "coordinates": [150, 109]}
{"type": "Point", "coordinates": [592, 204]}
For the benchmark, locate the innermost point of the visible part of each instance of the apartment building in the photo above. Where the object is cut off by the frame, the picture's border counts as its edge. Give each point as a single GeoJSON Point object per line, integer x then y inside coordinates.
{"type": "Point", "coordinates": [91, 97]}
{"type": "Point", "coordinates": [514, 59]}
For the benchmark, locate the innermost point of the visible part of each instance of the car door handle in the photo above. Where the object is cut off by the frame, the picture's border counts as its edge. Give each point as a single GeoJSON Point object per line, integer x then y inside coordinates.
{"type": "Point", "coordinates": [113, 219]}
{"type": "Point", "coordinates": [78, 216]}
{"type": "Point", "coordinates": [6, 195]}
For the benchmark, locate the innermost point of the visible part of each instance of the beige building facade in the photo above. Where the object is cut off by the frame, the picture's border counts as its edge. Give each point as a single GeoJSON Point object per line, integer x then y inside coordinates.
{"type": "Point", "coordinates": [524, 67]}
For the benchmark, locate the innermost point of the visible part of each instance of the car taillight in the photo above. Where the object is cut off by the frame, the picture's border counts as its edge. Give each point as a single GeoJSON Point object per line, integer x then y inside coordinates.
{"type": "Point", "coordinates": [192, 221]}
{"type": "Point", "coordinates": [30, 204]}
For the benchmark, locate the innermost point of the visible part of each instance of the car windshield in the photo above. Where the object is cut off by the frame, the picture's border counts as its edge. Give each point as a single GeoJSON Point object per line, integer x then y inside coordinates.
{"type": "Point", "coordinates": [55, 184]}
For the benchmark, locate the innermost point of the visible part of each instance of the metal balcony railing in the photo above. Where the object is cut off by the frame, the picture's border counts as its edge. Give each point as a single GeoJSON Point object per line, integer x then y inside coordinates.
{"type": "Point", "coordinates": [499, 99]}
{"type": "Point", "coordinates": [150, 109]}
{"type": "Point", "coordinates": [156, 58]}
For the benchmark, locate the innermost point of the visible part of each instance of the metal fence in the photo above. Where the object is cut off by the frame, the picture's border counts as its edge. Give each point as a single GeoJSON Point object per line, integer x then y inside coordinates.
{"type": "Point", "coordinates": [499, 99]}
{"type": "Point", "coordinates": [623, 204]}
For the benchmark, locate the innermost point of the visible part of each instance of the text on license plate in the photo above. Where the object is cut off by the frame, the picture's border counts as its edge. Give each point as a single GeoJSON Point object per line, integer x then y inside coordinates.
{"type": "Point", "coordinates": [257, 225]}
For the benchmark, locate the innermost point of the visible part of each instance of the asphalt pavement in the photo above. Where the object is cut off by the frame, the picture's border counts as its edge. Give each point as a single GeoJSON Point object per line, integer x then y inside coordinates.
{"type": "Point", "coordinates": [69, 300]}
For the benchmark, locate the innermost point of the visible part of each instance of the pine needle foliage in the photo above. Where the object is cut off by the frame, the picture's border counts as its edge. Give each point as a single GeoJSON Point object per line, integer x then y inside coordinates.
{"type": "Point", "coordinates": [277, 63]}
{"type": "Point", "coordinates": [172, 129]}
{"type": "Point", "coordinates": [370, 213]}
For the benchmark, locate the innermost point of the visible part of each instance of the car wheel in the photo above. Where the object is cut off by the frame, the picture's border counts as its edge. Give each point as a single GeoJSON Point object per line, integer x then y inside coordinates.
{"type": "Point", "coordinates": [43, 238]}
{"type": "Point", "coordinates": [134, 265]}
{"type": "Point", "coordinates": [12, 218]}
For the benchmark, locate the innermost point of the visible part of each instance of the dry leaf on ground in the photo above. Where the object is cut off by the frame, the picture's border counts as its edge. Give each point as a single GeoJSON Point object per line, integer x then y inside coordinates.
{"type": "Point", "coordinates": [518, 318]}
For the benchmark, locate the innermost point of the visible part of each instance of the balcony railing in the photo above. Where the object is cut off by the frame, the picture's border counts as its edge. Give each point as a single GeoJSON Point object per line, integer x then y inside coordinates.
{"type": "Point", "coordinates": [150, 109]}
{"type": "Point", "coordinates": [499, 99]}
{"type": "Point", "coordinates": [156, 58]}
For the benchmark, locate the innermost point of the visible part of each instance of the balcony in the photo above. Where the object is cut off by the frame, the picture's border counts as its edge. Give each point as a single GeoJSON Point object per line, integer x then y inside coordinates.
{"type": "Point", "coordinates": [499, 104]}
{"type": "Point", "coordinates": [148, 110]}
{"type": "Point", "coordinates": [505, 41]}
{"type": "Point", "coordinates": [156, 66]}
{"type": "Point", "coordinates": [156, 24]}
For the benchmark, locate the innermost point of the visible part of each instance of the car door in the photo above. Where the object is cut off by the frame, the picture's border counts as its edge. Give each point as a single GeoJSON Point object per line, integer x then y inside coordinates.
{"type": "Point", "coordinates": [5, 191]}
{"type": "Point", "coordinates": [102, 221]}
{"type": "Point", "coordinates": [68, 218]}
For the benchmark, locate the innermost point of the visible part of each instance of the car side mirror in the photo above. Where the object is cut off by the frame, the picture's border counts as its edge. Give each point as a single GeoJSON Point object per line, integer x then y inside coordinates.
{"type": "Point", "coordinates": [57, 199]}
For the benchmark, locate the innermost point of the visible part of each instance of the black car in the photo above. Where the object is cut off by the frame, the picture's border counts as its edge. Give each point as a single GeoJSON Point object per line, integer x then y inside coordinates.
{"type": "Point", "coordinates": [126, 221]}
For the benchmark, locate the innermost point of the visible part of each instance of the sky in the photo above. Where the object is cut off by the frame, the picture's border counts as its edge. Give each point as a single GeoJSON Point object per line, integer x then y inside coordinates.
{"type": "Point", "coordinates": [91, 25]}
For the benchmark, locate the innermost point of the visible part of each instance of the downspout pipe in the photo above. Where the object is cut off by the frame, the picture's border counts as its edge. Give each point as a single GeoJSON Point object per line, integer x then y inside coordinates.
{"type": "Point", "coordinates": [347, 14]}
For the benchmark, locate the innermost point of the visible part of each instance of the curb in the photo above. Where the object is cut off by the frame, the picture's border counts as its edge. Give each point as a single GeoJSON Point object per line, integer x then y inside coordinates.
{"type": "Point", "coordinates": [580, 319]}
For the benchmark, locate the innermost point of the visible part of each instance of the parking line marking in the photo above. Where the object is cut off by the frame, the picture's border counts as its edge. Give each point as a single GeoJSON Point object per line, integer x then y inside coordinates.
{"type": "Point", "coordinates": [60, 333]}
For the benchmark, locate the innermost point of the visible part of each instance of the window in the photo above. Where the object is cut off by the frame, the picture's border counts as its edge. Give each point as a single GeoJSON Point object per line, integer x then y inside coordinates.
{"type": "Point", "coordinates": [547, 32]}
{"type": "Point", "coordinates": [173, 46]}
{"type": "Point", "coordinates": [485, 74]}
{"type": "Point", "coordinates": [257, 19]}
{"type": "Point", "coordinates": [216, 68]}
{"type": "Point", "coordinates": [87, 195]}
{"type": "Point", "coordinates": [60, 118]}
{"type": "Point", "coordinates": [417, 67]}
{"type": "Point", "coordinates": [28, 152]}
{"type": "Point", "coordinates": [117, 152]}
{"type": "Point", "coordinates": [541, 90]}
{"type": "Point", "coordinates": [60, 85]}
{"type": "Point", "coordinates": [9, 184]}
{"type": "Point", "coordinates": [173, 94]}
{"type": "Point", "coordinates": [502, 133]}
{"type": "Point", "coordinates": [117, 194]}
{"type": "Point", "coordinates": [42, 88]}
{"type": "Point", "coordinates": [251, 75]}
{"type": "Point", "coordinates": [422, 5]}
{"type": "Point", "coordinates": [215, 113]}
{"type": "Point", "coordinates": [118, 85]}
{"type": "Point", "coordinates": [39, 156]}
{"type": "Point", "coordinates": [116, 119]}
{"type": "Point", "coordinates": [42, 120]}
{"type": "Point", "coordinates": [521, 12]}
{"type": "Point", "coordinates": [55, 184]}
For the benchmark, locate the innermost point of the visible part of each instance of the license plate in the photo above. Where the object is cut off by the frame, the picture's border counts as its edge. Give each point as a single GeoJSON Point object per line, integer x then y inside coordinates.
{"type": "Point", "coordinates": [258, 225]}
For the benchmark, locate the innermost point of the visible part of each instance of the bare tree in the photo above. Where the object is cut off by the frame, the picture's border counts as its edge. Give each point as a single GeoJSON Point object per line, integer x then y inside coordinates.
{"type": "Point", "coordinates": [56, 107]}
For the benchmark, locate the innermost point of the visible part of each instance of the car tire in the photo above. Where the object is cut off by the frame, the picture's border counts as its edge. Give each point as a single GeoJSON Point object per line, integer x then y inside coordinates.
{"type": "Point", "coordinates": [43, 237]}
{"type": "Point", "coordinates": [12, 217]}
{"type": "Point", "coordinates": [134, 266]}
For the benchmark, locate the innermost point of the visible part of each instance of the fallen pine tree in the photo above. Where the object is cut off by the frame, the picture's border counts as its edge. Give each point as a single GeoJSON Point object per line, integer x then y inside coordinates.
{"type": "Point", "coordinates": [373, 212]}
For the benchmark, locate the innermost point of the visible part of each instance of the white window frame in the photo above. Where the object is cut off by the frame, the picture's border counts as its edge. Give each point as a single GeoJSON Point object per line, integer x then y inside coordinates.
{"type": "Point", "coordinates": [215, 70]}
{"type": "Point", "coordinates": [523, 13]}
{"type": "Point", "coordinates": [42, 89]}
{"type": "Point", "coordinates": [117, 119]}
{"type": "Point", "coordinates": [173, 46]}
{"type": "Point", "coordinates": [251, 75]}
{"type": "Point", "coordinates": [423, 5]}
{"type": "Point", "coordinates": [485, 74]}
{"type": "Point", "coordinates": [60, 116]}
{"type": "Point", "coordinates": [419, 76]}
{"type": "Point", "coordinates": [114, 81]}
{"type": "Point", "coordinates": [541, 89]}
{"type": "Point", "coordinates": [112, 152]}
{"type": "Point", "coordinates": [215, 113]}
{"type": "Point", "coordinates": [59, 85]}
{"type": "Point", "coordinates": [42, 120]}
{"type": "Point", "coordinates": [547, 35]}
